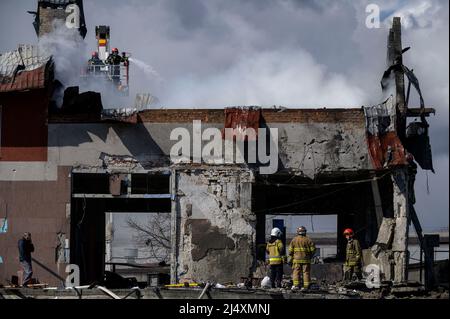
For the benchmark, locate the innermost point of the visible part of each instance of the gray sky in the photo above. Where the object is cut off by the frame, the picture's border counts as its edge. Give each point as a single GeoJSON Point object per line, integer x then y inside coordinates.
{"type": "Point", "coordinates": [295, 53]}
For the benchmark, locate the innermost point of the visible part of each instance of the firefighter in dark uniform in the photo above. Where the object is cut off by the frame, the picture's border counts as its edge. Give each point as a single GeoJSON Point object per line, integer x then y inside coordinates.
{"type": "Point", "coordinates": [353, 257]}
{"type": "Point", "coordinates": [95, 63]}
{"type": "Point", "coordinates": [114, 60]}
{"type": "Point", "coordinates": [125, 58]}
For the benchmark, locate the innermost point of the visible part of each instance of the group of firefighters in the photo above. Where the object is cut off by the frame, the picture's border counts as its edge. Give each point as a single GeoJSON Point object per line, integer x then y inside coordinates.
{"type": "Point", "coordinates": [113, 59]}
{"type": "Point", "coordinates": [300, 253]}
{"type": "Point", "coordinates": [95, 64]}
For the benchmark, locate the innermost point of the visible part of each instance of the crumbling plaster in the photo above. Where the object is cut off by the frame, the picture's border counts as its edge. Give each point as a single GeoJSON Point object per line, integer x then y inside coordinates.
{"type": "Point", "coordinates": [217, 224]}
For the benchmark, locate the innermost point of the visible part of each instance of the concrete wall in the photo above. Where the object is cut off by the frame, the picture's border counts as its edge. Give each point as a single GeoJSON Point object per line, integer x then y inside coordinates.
{"type": "Point", "coordinates": [314, 148]}
{"type": "Point", "coordinates": [305, 148]}
{"type": "Point", "coordinates": [217, 229]}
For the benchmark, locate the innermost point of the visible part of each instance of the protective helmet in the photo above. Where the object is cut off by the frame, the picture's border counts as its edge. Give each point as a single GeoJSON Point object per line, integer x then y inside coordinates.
{"type": "Point", "coordinates": [115, 50]}
{"type": "Point", "coordinates": [348, 231]}
{"type": "Point", "coordinates": [276, 232]}
{"type": "Point", "coordinates": [301, 230]}
{"type": "Point", "coordinates": [94, 54]}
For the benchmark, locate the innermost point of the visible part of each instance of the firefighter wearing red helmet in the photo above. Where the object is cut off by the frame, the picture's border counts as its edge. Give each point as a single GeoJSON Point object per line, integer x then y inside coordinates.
{"type": "Point", "coordinates": [94, 63]}
{"type": "Point", "coordinates": [353, 256]}
{"type": "Point", "coordinates": [114, 58]}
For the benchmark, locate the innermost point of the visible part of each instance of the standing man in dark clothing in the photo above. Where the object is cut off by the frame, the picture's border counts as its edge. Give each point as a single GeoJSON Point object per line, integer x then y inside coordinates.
{"type": "Point", "coordinates": [26, 247]}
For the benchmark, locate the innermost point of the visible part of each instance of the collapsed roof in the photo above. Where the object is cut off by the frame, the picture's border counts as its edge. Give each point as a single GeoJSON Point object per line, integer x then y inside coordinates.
{"type": "Point", "coordinates": [25, 68]}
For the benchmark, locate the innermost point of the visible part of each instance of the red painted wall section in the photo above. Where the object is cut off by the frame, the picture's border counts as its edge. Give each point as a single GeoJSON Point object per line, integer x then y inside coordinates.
{"type": "Point", "coordinates": [24, 129]}
{"type": "Point", "coordinates": [240, 119]}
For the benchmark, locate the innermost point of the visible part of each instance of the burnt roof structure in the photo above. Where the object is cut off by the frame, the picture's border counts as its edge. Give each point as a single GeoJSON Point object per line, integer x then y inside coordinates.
{"type": "Point", "coordinates": [24, 69]}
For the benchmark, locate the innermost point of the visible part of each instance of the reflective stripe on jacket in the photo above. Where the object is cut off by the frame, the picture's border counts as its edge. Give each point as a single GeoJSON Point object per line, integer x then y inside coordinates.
{"type": "Point", "coordinates": [275, 251]}
{"type": "Point", "coordinates": [353, 253]}
{"type": "Point", "coordinates": [301, 250]}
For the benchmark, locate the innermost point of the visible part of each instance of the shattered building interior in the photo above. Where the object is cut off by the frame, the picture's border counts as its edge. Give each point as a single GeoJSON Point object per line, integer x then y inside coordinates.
{"type": "Point", "coordinates": [60, 172]}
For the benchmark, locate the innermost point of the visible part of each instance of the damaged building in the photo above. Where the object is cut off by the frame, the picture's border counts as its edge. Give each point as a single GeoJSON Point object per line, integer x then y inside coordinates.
{"type": "Point", "coordinates": [67, 12]}
{"type": "Point", "coordinates": [61, 172]}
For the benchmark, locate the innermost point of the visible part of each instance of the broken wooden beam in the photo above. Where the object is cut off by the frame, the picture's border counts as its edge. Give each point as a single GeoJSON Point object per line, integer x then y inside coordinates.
{"type": "Point", "coordinates": [417, 112]}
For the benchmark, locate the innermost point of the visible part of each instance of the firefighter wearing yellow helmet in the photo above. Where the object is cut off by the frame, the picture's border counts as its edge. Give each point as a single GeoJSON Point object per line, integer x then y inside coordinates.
{"type": "Point", "coordinates": [275, 250]}
{"type": "Point", "coordinates": [301, 251]}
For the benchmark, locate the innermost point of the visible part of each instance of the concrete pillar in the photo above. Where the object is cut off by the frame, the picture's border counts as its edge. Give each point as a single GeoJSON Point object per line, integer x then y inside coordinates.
{"type": "Point", "coordinates": [174, 229]}
{"type": "Point", "coordinates": [215, 225]}
{"type": "Point", "coordinates": [260, 236]}
{"type": "Point", "coordinates": [377, 202]}
{"type": "Point", "coordinates": [402, 219]}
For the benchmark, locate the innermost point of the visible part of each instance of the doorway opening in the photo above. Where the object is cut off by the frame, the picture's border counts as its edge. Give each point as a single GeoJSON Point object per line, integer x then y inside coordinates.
{"type": "Point", "coordinates": [95, 197]}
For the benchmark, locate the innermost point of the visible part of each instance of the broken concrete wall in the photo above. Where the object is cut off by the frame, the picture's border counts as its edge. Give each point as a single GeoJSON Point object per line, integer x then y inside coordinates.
{"type": "Point", "coordinates": [313, 148]}
{"type": "Point", "coordinates": [390, 252]}
{"type": "Point", "coordinates": [217, 229]}
{"type": "Point", "coordinates": [83, 144]}
{"type": "Point", "coordinates": [380, 253]}
{"type": "Point", "coordinates": [310, 143]}
{"type": "Point", "coordinates": [402, 220]}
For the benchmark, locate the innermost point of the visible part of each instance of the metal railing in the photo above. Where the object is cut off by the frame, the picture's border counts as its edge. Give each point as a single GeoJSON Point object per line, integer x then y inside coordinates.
{"type": "Point", "coordinates": [54, 274]}
{"type": "Point", "coordinates": [115, 73]}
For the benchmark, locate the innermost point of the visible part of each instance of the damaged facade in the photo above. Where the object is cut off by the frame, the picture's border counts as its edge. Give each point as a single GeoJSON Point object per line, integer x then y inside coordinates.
{"type": "Point", "coordinates": [61, 172]}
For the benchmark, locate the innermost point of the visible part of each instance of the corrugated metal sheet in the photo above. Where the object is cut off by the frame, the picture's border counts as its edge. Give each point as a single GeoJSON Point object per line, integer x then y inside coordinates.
{"type": "Point", "coordinates": [24, 68]}
{"type": "Point", "coordinates": [385, 148]}
{"type": "Point", "coordinates": [418, 144]}
{"type": "Point", "coordinates": [242, 118]}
